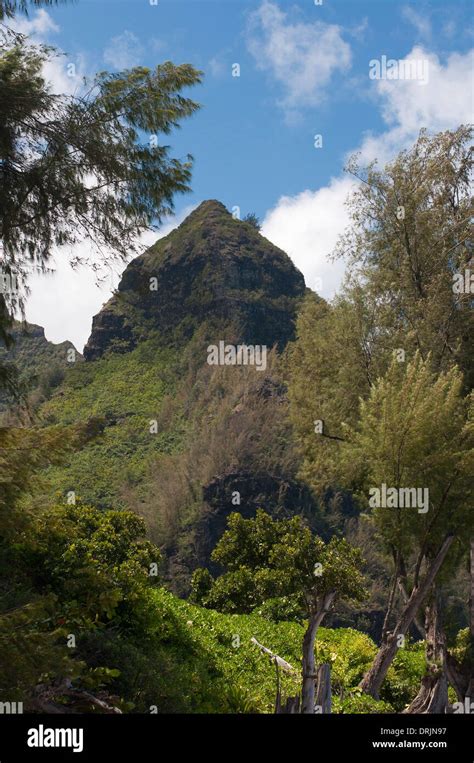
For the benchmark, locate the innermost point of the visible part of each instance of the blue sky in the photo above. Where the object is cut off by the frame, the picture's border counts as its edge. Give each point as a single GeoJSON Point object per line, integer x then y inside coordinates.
{"type": "Point", "coordinates": [304, 71]}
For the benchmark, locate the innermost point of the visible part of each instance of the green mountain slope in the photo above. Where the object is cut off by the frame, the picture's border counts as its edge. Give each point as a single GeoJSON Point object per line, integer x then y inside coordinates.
{"type": "Point", "coordinates": [126, 392]}
{"type": "Point", "coordinates": [41, 364]}
{"type": "Point", "coordinates": [206, 662]}
{"type": "Point", "coordinates": [174, 427]}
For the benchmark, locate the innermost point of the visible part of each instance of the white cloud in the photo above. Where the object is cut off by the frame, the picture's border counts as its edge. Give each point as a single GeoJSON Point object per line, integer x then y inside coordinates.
{"type": "Point", "coordinates": [65, 76]}
{"type": "Point", "coordinates": [444, 102]}
{"type": "Point", "coordinates": [307, 225]}
{"type": "Point", "coordinates": [123, 51]}
{"type": "Point", "coordinates": [301, 57]}
{"type": "Point", "coordinates": [420, 21]}
{"type": "Point", "coordinates": [40, 25]}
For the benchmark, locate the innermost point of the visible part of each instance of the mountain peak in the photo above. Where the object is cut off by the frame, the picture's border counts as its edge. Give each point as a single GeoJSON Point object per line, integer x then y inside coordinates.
{"type": "Point", "coordinates": [208, 208]}
{"type": "Point", "coordinates": [210, 269]}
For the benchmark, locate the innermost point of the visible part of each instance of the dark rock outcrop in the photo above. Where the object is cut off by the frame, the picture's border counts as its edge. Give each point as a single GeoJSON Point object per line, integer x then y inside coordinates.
{"type": "Point", "coordinates": [281, 498]}
{"type": "Point", "coordinates": [211, 269]}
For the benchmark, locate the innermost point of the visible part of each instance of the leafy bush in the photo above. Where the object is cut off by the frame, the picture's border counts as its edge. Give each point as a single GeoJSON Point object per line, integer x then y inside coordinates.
{"type": "Point", "coordinates": [404, 676]}
{"type": "Point", "coordinates": [252, 220]}
{"type": "Point", "coordinates": [278, 609]}
{"type": "Point", "coordinates": [350, 654]}
{"type": "Point", "coordinates": [358, 702]}
{"type": "Point", "coordinates": [79, 571]}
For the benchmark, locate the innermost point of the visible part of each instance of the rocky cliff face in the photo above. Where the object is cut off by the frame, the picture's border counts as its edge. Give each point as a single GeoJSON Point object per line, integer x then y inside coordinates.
{"type": "Point", "coordinates": [37, 360]}
{"type": "Point", "coordinates": [213, 269]}
{"type": "Point", "coordinates": [280, 497]}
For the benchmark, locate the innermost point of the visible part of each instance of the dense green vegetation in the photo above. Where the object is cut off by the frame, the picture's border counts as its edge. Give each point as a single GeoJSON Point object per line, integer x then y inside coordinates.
{"type": "Point", "coordinates": [128, 392]}
{"type": "Point", "coordinates": [141, 648]}
{"type": "Point", "coordinates": [40, 365]}
{"type": "Point", "coordinates": [243, 679]}
{"type": "Point", "coordinates": [88, 575]}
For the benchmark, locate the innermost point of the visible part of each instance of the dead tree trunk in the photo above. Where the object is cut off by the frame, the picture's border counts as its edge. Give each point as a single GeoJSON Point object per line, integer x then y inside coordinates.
{"type": "Point", "coordinates": [309, 668]}
{"type": "Point", "coordinates": [461, 675]}
{"type": "Point", "coordinates": [374, 678]}
{"type": "Point", "coordinates": [433, 694]}
{"type": "Point", "coordinates": [278, 689]}
{"type": "Point", "coordinates": [323, 692]}
{"type": "Point", "coordinates": [292, 706]}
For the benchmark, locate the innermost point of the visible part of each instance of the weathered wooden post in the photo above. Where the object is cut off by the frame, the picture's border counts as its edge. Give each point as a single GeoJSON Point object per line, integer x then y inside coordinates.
{"type": "Point", "coordinates": [323, 690]}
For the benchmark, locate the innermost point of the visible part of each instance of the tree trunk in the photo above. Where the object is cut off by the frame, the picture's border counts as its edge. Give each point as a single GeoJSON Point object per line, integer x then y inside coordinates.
{"type": "Point", "coordinates": [433, 694]}
{"type": "Point", "coordinates": [461, 676]}
{"type": "Point", "coordinates": [374, 678]}
{"type": "Point", "coordinates": [390, 606]}
{"type": "Point", "coordinates": [456, 677]}
{"type": "Point", "coordinates": [278, 689]}
{"type": "Point", "coordinates": [292, 706]}
{"type": "Point", "coordinates": [309, 668]}
{"type": "Point", "coordinates": [323, 692]}
{"type": "Point", "coordinates": [416, 619]}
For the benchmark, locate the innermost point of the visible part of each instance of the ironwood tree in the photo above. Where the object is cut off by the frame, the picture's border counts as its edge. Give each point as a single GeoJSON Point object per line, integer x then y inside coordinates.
{"type": "Point", "coordinates": [266, 558]}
